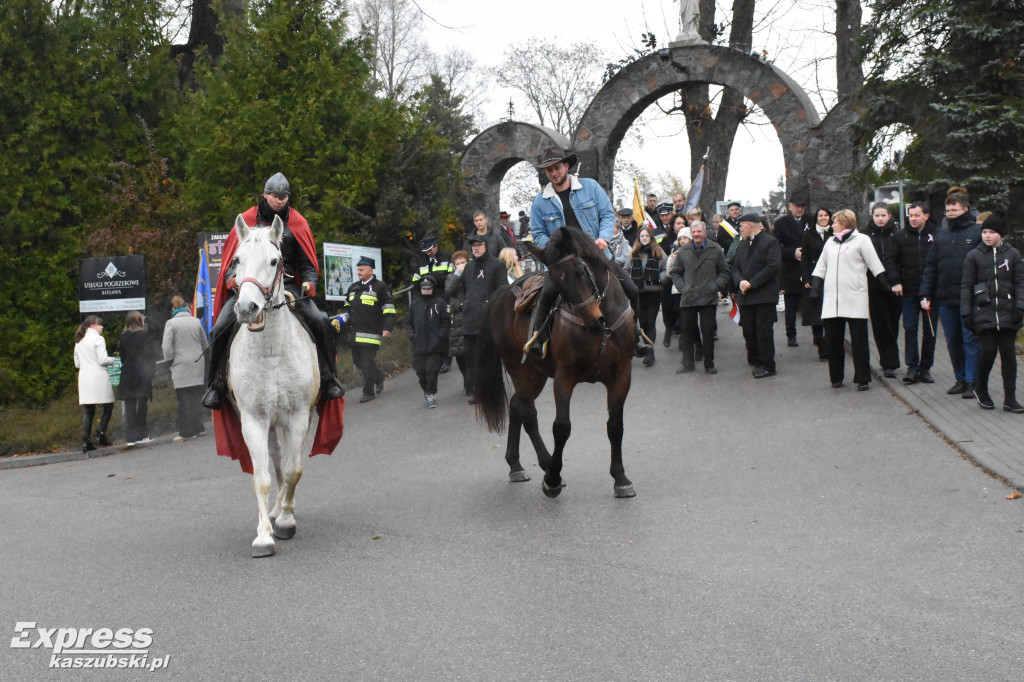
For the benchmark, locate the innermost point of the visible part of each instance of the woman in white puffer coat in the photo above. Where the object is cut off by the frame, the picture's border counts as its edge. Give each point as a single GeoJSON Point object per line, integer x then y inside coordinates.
{"type": "Point", "coordinates": [94, 387]}
{"type": "Point", "coordinates": [840, 278]}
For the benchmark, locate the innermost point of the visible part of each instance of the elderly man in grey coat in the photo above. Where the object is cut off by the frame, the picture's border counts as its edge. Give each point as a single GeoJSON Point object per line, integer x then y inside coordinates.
{"type": "Point", "coordinates": [184, 341]}
{"type": "Point", "coordinates": [699, 273]}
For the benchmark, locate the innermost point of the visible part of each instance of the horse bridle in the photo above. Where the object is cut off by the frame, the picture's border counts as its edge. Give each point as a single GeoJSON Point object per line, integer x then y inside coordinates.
{"type": "Point", "coordinates": [268, 292]}
{"type": "Point", "coordinates": [595, 295]}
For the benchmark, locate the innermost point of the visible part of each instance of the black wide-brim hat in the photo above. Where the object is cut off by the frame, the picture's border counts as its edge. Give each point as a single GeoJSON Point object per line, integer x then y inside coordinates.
{"type": "Point", "coordinates": [552, 155]}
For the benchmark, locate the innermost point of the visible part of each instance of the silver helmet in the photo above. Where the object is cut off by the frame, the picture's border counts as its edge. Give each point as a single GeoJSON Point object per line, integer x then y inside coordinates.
{"type": "Point", "coordinates": [277, 184]}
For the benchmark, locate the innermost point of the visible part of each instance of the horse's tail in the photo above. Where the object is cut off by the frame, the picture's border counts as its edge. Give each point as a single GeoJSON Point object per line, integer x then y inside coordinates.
{"type": "Point", "coordinates": [489, 385]}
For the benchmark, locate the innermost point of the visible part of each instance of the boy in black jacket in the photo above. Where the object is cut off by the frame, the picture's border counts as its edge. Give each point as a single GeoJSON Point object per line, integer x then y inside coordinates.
{"type": "Point", "coordinates": [428, 325]}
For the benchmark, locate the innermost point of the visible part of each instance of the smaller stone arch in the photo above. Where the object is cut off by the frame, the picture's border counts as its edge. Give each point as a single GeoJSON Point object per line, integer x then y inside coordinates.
{"type": "Point", "coordinates": [495, 150]}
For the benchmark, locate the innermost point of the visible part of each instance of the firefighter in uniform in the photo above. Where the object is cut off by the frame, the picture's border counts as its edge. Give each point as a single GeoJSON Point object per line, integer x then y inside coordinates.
{"type": "Point", "coordinates": [432, 261]}
{"type": "Point", "coordinates": [371, 318]}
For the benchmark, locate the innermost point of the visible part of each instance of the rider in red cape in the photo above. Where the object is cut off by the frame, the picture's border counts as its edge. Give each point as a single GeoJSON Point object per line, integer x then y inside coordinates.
{"type": "Point", "coordinates": [298, 250]}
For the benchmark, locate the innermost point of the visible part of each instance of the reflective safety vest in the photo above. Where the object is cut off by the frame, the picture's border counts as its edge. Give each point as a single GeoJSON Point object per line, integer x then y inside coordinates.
{"type": "Point", "coordinates": [440, 268]}
{"type": "Point", "coordinates": [371, 310]}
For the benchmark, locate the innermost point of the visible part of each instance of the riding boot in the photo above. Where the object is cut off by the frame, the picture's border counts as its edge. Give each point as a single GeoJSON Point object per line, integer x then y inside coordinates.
{"type": "Point", "coordinates": [537, 345]}
{"type": "Point", "coordinates": [330, 387]}
{"type": "Point", "coordinates": [220, 344]}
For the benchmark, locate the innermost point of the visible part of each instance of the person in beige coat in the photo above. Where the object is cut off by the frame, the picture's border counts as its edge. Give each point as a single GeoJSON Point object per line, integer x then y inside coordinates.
{"type": "Point", "coordinates": [840, 278]}
{"type": "Point", "coordinates": [183, 344]}
{"type": "Point", "coordinates": [94, 386]}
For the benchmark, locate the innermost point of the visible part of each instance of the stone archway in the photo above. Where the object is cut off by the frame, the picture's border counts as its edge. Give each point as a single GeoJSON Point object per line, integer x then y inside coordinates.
{"type": "Point", "coordinates": [494, 151]}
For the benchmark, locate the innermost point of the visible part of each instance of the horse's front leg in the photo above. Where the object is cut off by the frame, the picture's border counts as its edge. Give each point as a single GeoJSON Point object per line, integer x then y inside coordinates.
{"type": "Point", "coordinates": [291, 472]}
{"type": "Point", "coordinates": [256, 439]}
{"type": "Point", "coordinates": [274, 444]}
{"type": "Point", "coordinates": [516, 408]}
{"type": "Point", "coordinates": [562, 427]}
{"type": "Point", "coordinates": [618, 388]}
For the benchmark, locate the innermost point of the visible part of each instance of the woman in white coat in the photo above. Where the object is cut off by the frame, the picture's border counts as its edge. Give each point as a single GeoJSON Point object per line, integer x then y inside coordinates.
{"type": "Point", "coordinates": [93, 381]}
{"type": "Point", "coordinates": [840, 278]}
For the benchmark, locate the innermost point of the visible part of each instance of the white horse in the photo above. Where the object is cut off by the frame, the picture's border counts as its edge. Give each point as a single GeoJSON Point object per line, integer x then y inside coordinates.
{"type": "Point", "coordinates": [273, 378]}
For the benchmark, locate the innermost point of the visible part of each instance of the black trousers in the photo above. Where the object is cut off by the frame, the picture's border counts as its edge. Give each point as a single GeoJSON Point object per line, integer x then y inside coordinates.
{"type": "Point", "coordinates": [89, 413]}
{"type": "Point", "coordinates": [427, 366]}
{"type": "Point", "coordinates": [885, 312]}
{"type": "Point", "coordinates": [190, 411]}
{"type": "Point", "coordinates": [835, 330]}
{"type": "Point", "coordinates": [1002, 342]}
{"type": "Point", "coordinates": [792, 300]}
{"type": "Point", "coordinates": [135, 413]}
{"type": "Point", "coordinates": [758, 322]}
{"type": "Point", "coordinates": [670, 310]}
{"type": "Point", "coordinates": [468, 360]}
{"type": "Point", "coordinates": [364, 357]}
{"type": "Point", "coordinates": [649, 304]}
{"type": "Point", "coordinates": [697, 323]}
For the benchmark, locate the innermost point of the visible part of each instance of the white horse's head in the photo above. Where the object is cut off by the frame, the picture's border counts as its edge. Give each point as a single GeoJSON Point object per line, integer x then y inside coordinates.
{"type": "Point", "coordinates": [258, 271]}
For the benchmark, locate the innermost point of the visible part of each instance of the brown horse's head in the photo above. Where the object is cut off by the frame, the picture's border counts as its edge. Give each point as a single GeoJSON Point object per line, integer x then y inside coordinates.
{"type": "Point", "coordinates": [579, 270]}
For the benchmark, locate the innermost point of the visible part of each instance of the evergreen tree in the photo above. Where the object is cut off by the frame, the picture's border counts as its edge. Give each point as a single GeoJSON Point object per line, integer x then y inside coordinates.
{"type": "Point", "coordinates": [950, 71]}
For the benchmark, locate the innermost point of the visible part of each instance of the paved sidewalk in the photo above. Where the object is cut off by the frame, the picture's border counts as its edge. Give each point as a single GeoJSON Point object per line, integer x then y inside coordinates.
{"type": "Point", "coordinates": [994, 439]}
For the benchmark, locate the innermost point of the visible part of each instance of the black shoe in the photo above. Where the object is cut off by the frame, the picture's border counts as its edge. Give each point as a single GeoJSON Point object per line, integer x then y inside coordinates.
{"type": "Point", "coordinates": [969, 393]}
{"type": "Point", "coordinates": [649, 357]}
{"type": "Point", "coordinates": [367, 397]}
{"type": "Point", "coordinates": [913, 376]}
{"type": "Point", "coordinates": [984, 399]}
{"type": "Point", "coordinates": [685, 369]}
{"type": "Point", "coordinates": [837, 384]}
{"type": "Point", "coordinates": [889, 373]}
{"type": "Point", "coordinates": [791, 342]}
{"type": "Point", "coordinates": [925, 377]}
{"type": "Point", "coordinates": [87, 446]}
{"type": "Point", "coordinates": [698, 355]}
{"type": "Point", "coordinates": [445, 367]}
{"type": "Point", "coordinates": [958, 387]}
{"type": "Point", "coordinates": [331, 389]}
{"type": "Point", "coordinates": [863, 387]}
{"type": "Point", "coordinates": [213, 400]}
{"type": "Point", "coordinates": [761, 373]}
{"type": "Point", "coordinates": [667, 341]}
{"type": "Point", "coordinates": [471, 400]}
{"type": "Point", "coordinates": [1012, 405]}
{"type": "Point", "coordinates": [710, 370]}
{"type": "Point", "coordinates": [101, 440]}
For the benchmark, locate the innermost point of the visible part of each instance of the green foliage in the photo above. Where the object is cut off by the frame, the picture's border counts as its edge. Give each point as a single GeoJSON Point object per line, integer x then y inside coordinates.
{"type": "Point", "coordinates": [74, 86]}
{"type": "Point", "coordinates": [949, 70]}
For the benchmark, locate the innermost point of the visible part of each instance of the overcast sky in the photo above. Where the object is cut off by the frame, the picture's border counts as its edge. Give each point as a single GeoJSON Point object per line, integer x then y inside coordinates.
{"type": "Point", "coordinates": [793, 35]}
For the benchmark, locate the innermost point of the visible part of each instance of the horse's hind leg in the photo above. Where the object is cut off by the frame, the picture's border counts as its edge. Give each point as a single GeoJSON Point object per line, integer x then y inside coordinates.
{"type": "Point", "coordinates": [256, 435]}
{"type": "Point", "coordinates": [291, 472]}
{"type": "Point", "coordinates": [516, 409]}
{"type": "Point", "coordinates": [616, 399]}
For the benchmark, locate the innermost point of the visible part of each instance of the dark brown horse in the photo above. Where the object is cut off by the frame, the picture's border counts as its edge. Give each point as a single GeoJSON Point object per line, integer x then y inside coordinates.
{"type": "Point", "coordinates": [591, 341]}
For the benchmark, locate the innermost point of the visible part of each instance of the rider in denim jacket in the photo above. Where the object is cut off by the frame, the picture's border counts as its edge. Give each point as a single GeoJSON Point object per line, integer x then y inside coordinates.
{"type": "Point", "coordinates": [589, 210]}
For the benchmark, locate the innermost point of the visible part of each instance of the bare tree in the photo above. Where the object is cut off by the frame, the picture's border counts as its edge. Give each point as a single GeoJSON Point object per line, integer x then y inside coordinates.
{"type": "Point", "coordinates": [849, 75]}
{"type": "Point", "coordinates": [399, 55]}
{"type": "Point", "coordinates": [460, 74]}
{"type": "Point", "coordinates": [558, 81]}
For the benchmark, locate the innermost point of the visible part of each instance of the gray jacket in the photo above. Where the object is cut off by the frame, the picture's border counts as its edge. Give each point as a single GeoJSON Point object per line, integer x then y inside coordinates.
{"type": "Point", "coordinates": [184, 341]}
{"type": "Point", "coordinates": [699, 276]}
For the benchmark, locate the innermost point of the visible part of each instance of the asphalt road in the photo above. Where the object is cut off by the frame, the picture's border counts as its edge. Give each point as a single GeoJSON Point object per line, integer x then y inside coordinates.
{"type": "Point", "coordinates": [781, 530]}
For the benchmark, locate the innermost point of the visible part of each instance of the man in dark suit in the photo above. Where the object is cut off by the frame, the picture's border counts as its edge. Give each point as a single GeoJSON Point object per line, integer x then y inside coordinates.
{"type": "Point", "coordinates": [755, 276]}
{"type": "Point", "coordinates": [789, 231]}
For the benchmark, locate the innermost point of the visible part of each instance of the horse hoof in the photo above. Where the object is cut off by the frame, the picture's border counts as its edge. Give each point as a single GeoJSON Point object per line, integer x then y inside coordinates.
{"type": "Point", "coordinates": [283, 532]}
{"type": "Point", "coordinates": [518, 477]}
{"type": "Point", "coordinates": [552, 492]}
{"type": "Point", "coordinates": [262, 549]}
{"type": "Point", "coordinates": [625, 491]}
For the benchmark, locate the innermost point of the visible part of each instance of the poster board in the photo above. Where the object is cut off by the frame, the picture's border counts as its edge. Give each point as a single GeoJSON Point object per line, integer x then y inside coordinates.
{"type": "Point", "coordinates": [113, 283]}
{"type": "Point", "coordinates": [340, 267]}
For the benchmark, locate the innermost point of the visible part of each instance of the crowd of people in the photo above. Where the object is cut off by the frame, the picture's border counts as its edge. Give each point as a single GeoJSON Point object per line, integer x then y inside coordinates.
{"type": "Point", "coordinates": [829, 273]}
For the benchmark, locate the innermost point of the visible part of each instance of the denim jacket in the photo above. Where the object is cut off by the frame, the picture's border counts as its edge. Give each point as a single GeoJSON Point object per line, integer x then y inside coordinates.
{"type": "Point", "coordinates": [589, 202]}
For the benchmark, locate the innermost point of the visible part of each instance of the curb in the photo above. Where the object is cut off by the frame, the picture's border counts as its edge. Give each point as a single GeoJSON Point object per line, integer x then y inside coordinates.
{"type": "Point", "coordinates": [22, 461]}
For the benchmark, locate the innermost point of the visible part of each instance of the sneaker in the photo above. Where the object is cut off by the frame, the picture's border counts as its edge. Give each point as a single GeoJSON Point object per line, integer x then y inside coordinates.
{"type": "Point", "coordinates": [837, 384]}
{"type": "Point", "coordinates": [200, 434]}
{"type": "Point", "coordinates": [176, 439]}
{"type": "Point", "coordinates": [147, 439]}
{"type": "Point", "coordinates": [710, 370]}
{"type": "Point", "coordinates": [984, 399]}
{"type": "Point", "coordinates": [1013, 406]}
{"type": "Point", "coordinates": [431, 400]}
{"type": "Point", "coordinates": [889, 373]}
{"type": "Point", "coordinates": [925, 377]}
{"type": "Point", "coordinates": [367, 397]}
{"type": "Point", "coordinates": [863, 387]}
{"type": "Point", "coordinates": [958, 387]}
{"type": "Point", "coordinates": [379, 386]}
{"type": "Point", "coordinates": [130, 443]}
{"type": "Point", "coordinates": [791, 342]}
{"type": "Point", "coordinates": [968, 394]}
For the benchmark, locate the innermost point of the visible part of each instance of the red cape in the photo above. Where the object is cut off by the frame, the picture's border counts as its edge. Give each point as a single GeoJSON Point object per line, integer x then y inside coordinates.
{"type": "Point", "coordinates": [227, 427]}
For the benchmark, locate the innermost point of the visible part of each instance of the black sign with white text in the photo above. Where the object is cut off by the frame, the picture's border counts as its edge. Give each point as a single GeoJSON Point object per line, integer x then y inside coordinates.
{"type": "Point", "coordinates": [111, 283]}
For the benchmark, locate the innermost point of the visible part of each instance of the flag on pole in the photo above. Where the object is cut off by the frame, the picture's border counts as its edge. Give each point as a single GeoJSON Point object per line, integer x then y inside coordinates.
{"type": "Point", "coordinates": [693, 196]}
{"type": "Point", "coordinates": [734, 314]}
{"type": "Point", "coordinates": [202, 297]}
{"type": "Point", "coordinates": [728, 228]}
{"type": "Point", "coordinates": [638, 208]}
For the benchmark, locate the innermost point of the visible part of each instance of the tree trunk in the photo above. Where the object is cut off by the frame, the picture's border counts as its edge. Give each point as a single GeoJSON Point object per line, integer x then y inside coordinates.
{"type": "Point", "coordinates": [204, 35]}
{"type": "Point", "coordinates": [715, 134]}
{"type": "Point", "coordinates": [849, 75]}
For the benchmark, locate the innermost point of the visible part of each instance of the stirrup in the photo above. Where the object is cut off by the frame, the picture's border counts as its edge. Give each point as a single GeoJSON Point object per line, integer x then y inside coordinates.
{"type": "Point", "coordinates": [531, 347]}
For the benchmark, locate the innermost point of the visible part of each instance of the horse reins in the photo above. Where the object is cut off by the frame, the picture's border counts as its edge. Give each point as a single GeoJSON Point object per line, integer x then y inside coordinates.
{"type": "Point", "coordinates": [598, 296]}
{"type": "Point", "coordinates": [268, 292]}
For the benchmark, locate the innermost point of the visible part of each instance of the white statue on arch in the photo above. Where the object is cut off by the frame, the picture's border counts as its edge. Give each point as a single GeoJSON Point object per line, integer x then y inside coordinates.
{"type": "Point", "coordinates": [689, 23]}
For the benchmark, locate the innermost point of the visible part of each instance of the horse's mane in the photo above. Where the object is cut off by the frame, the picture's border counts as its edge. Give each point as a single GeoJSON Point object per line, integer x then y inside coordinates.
{"type": "Point", "coordinates": [567, 240]}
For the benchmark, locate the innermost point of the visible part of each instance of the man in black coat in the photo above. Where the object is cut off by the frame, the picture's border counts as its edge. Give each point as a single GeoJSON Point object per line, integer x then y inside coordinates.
{"type": "Point", "coordinates": [428, 323]}
{"type": "Point", "coordinates": [732, 216]}
{"type": "Point", "coordinates": [755, 277]}
{"type": "Point", "coordinates": [629, 226]}
{"type": "Point", "coordinates": [789, 231]}
{"type": "Point", "coordinates": [904, 266]}
{"type": "Point", "coordinates": [481, 278]}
